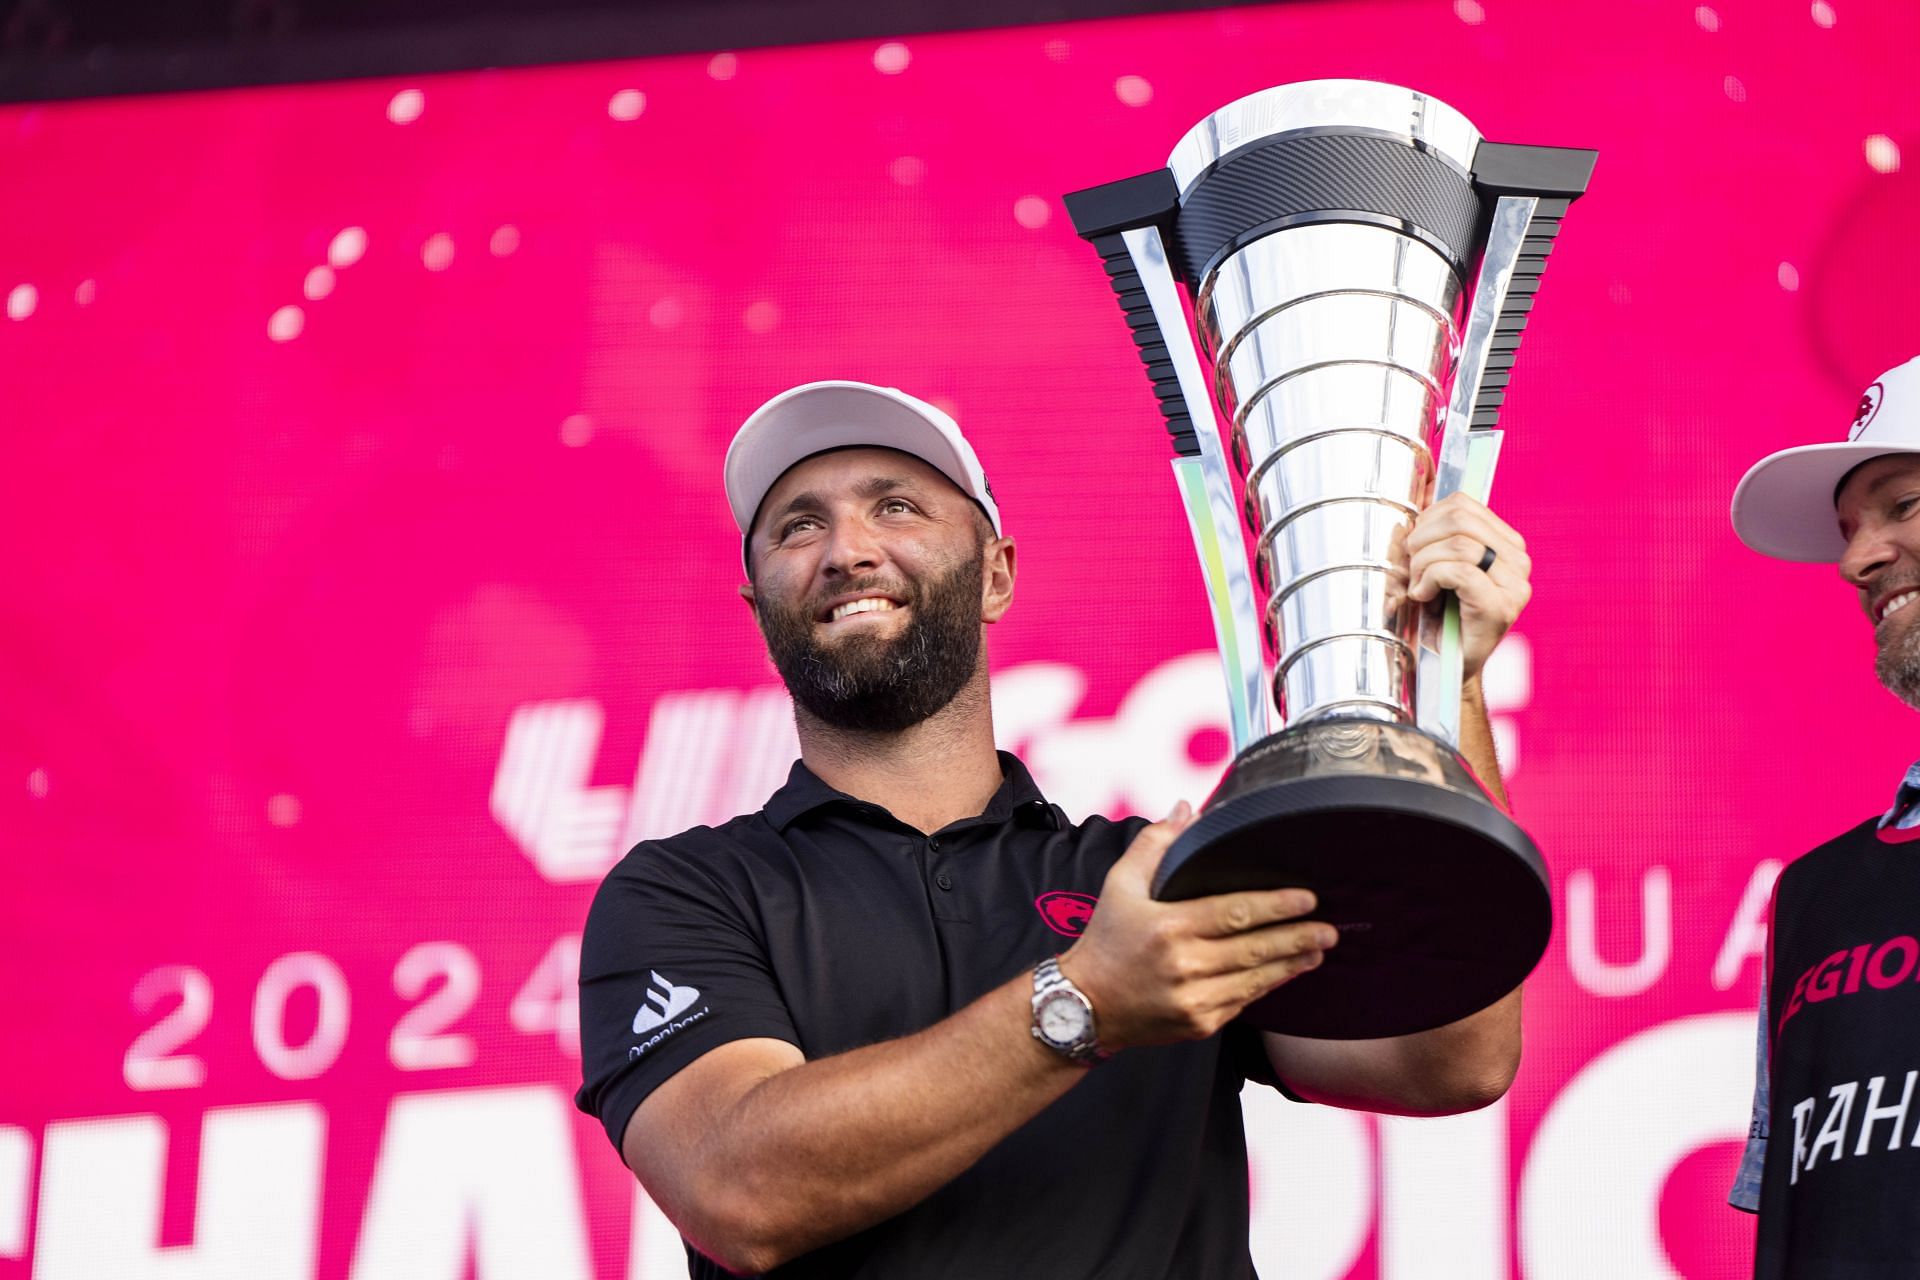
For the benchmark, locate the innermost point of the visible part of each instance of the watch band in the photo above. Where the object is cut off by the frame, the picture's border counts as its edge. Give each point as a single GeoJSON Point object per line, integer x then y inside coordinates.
{"type": "Point", "coordinates": [1049, 984]}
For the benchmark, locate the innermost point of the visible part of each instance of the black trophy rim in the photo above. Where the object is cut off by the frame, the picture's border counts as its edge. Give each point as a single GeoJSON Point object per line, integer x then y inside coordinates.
{"type": "Point", "coordinates": [1441, 899]}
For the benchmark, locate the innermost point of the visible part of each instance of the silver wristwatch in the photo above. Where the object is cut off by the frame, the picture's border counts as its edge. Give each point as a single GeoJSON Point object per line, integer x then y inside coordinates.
{"type": "Point", "coordinates": [1063, 1016]}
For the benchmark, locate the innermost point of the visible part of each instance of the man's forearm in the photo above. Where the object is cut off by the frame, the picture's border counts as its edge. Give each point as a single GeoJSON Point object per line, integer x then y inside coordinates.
{"type": "Point", "coordinates": [1476, 740]}
{"type": "Point", "coordinates": [1480, 1053]}
{"type": "Point", "coordinates": [1459, 1067]}
{"type": "Point", "coordinates": [825, 1149]}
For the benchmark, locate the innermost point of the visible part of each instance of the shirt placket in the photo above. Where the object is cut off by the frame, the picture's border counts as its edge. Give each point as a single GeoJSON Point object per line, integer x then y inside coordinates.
{"type": "Point", "coordinates": [943, 872]}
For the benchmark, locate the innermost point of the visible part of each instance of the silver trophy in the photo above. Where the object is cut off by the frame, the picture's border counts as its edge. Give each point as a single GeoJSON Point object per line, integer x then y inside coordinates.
{"type": "Point", "coordinates": [1359, 265]}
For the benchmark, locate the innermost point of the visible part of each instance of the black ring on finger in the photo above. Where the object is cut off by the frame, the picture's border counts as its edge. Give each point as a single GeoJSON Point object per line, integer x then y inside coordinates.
{"type": "Point", "coordinates": [1486, 561]}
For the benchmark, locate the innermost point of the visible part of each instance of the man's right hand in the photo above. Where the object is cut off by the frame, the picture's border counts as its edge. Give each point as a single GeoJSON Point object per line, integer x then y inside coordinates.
{"type": "Point", "coordinates": [1158, 972]}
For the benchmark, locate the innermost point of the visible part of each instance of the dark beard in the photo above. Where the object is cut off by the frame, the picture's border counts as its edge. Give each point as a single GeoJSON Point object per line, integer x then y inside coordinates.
{"type": "Point", "coordinates": [1898, 665]}
{"type": "Point", "coordinates": [874, 685]}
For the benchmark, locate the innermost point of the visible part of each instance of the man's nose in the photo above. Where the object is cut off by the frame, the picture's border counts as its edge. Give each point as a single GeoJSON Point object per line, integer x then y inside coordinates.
{"type": "Point", "coordinates": [853, 548]}
{"type": "Point", "coordinates": [1868, 554]}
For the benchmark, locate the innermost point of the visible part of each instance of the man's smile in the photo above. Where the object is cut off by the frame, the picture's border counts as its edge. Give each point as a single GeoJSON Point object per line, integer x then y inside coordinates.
{"type": "Point", "coordinates": [1887, 606]}
{"type": "Point", "coordinates": [856, 606]}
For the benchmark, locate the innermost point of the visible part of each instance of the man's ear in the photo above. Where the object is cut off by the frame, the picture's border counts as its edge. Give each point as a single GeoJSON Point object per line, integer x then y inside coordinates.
{"type": "Point", "coordinates": [999, 568]}
{"type": "Point", "coordinates": [746, 593]}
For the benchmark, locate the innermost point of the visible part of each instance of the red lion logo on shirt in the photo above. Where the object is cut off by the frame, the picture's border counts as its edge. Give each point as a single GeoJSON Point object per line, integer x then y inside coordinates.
{"type": "Point", "coordinates": [1066, 913]}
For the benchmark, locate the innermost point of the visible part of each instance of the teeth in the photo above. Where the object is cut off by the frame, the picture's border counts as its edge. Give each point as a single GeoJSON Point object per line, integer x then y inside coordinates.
{"type": "Point", "coordinates": [1898, 603]}
{"type": "Point", "coordinates": [872, 604]}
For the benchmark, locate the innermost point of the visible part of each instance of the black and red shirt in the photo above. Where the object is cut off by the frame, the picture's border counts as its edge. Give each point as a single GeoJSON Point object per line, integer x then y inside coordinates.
{"type": "Point", "coordinates": [823, 921]}
{"type": "Point", "coordinates": [1842, 1162]}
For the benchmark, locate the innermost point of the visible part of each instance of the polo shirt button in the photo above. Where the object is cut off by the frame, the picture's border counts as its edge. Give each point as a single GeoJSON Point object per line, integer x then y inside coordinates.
{"type": "Point", "coordinates": [934, 845]}
{"type": "Point", "coordinates": [944, 880]}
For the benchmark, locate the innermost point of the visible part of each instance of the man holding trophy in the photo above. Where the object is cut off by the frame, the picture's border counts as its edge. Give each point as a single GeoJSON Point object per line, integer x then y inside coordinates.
{"type": "Point", "coordinates": [841, 1036]}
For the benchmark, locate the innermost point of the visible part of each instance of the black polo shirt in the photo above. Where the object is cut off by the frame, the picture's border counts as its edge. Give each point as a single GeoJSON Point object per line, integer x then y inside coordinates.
{"type": "Point", "coordinates": [823, 921]}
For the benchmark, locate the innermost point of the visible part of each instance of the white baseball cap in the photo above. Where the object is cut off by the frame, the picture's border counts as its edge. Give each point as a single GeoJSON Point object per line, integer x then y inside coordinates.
{"type": "Point", "coordinates": [1784, 505]}
{"type": "Point", "coordinates": [818, 416]}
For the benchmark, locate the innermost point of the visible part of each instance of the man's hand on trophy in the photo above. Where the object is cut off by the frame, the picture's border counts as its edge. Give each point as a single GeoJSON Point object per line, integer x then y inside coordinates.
{"type": "Point", "coordinates": [1159, 972]}
{"type": "Point", "coordinates": [1459, 545]}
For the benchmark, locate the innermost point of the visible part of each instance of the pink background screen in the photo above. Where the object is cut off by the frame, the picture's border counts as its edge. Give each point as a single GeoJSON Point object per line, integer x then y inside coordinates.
{"type": "Point", "coordinates": [370, 588]}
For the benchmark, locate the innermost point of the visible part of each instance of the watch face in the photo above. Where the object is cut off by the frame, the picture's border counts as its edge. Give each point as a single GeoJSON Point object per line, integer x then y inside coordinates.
{"type": "Point", "coordinates": [1063, 1019]}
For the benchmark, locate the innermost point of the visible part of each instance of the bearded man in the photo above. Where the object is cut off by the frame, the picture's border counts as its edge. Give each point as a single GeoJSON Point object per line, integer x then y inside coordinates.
{"type": "Point", "coordinates": [1839, 1040]}
{"type": "Point", "coordinates": [833, 1038]}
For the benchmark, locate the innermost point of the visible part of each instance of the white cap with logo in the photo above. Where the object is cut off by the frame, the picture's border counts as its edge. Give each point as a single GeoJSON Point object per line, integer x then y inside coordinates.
{"type": "Point", "coordinates": [1784, 505]}
{"type": "Point", "coordinates": [818, 416]}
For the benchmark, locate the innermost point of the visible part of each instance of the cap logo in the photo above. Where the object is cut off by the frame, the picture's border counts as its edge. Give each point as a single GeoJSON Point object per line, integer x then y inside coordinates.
{"type": "Point", "coordinates": [1869, 409]}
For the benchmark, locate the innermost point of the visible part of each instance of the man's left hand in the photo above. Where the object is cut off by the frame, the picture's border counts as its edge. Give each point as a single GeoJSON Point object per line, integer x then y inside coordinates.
{"type": "Point", "coordinates": [1446, 547]}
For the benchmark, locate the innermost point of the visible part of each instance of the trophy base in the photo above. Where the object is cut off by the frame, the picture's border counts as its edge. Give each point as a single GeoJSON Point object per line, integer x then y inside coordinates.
{"type": "Point", "coordinates": [1440, 898]}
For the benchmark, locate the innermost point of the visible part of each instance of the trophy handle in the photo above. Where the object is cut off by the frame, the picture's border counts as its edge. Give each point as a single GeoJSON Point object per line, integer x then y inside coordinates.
{"type": "Point", "coordinates": [1534, 187]}
{"type": "Point", "coordinates": [1442, 658]}
{"type": "Point", "coordinates": [1206, 495]}
{"type": "Point", "coordinates": [1124, 221]}
{"type": "Point", "coordinates": [1223, 565]}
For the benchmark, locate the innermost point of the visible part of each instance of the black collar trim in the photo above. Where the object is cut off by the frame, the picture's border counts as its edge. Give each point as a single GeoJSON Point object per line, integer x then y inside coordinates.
{"type": "Point", "coordinates": [1018, 799]}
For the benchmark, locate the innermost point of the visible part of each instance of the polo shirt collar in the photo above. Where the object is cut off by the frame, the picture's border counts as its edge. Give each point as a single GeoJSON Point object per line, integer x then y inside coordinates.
{"type": "Point", "coordinates": [1016, 799]}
